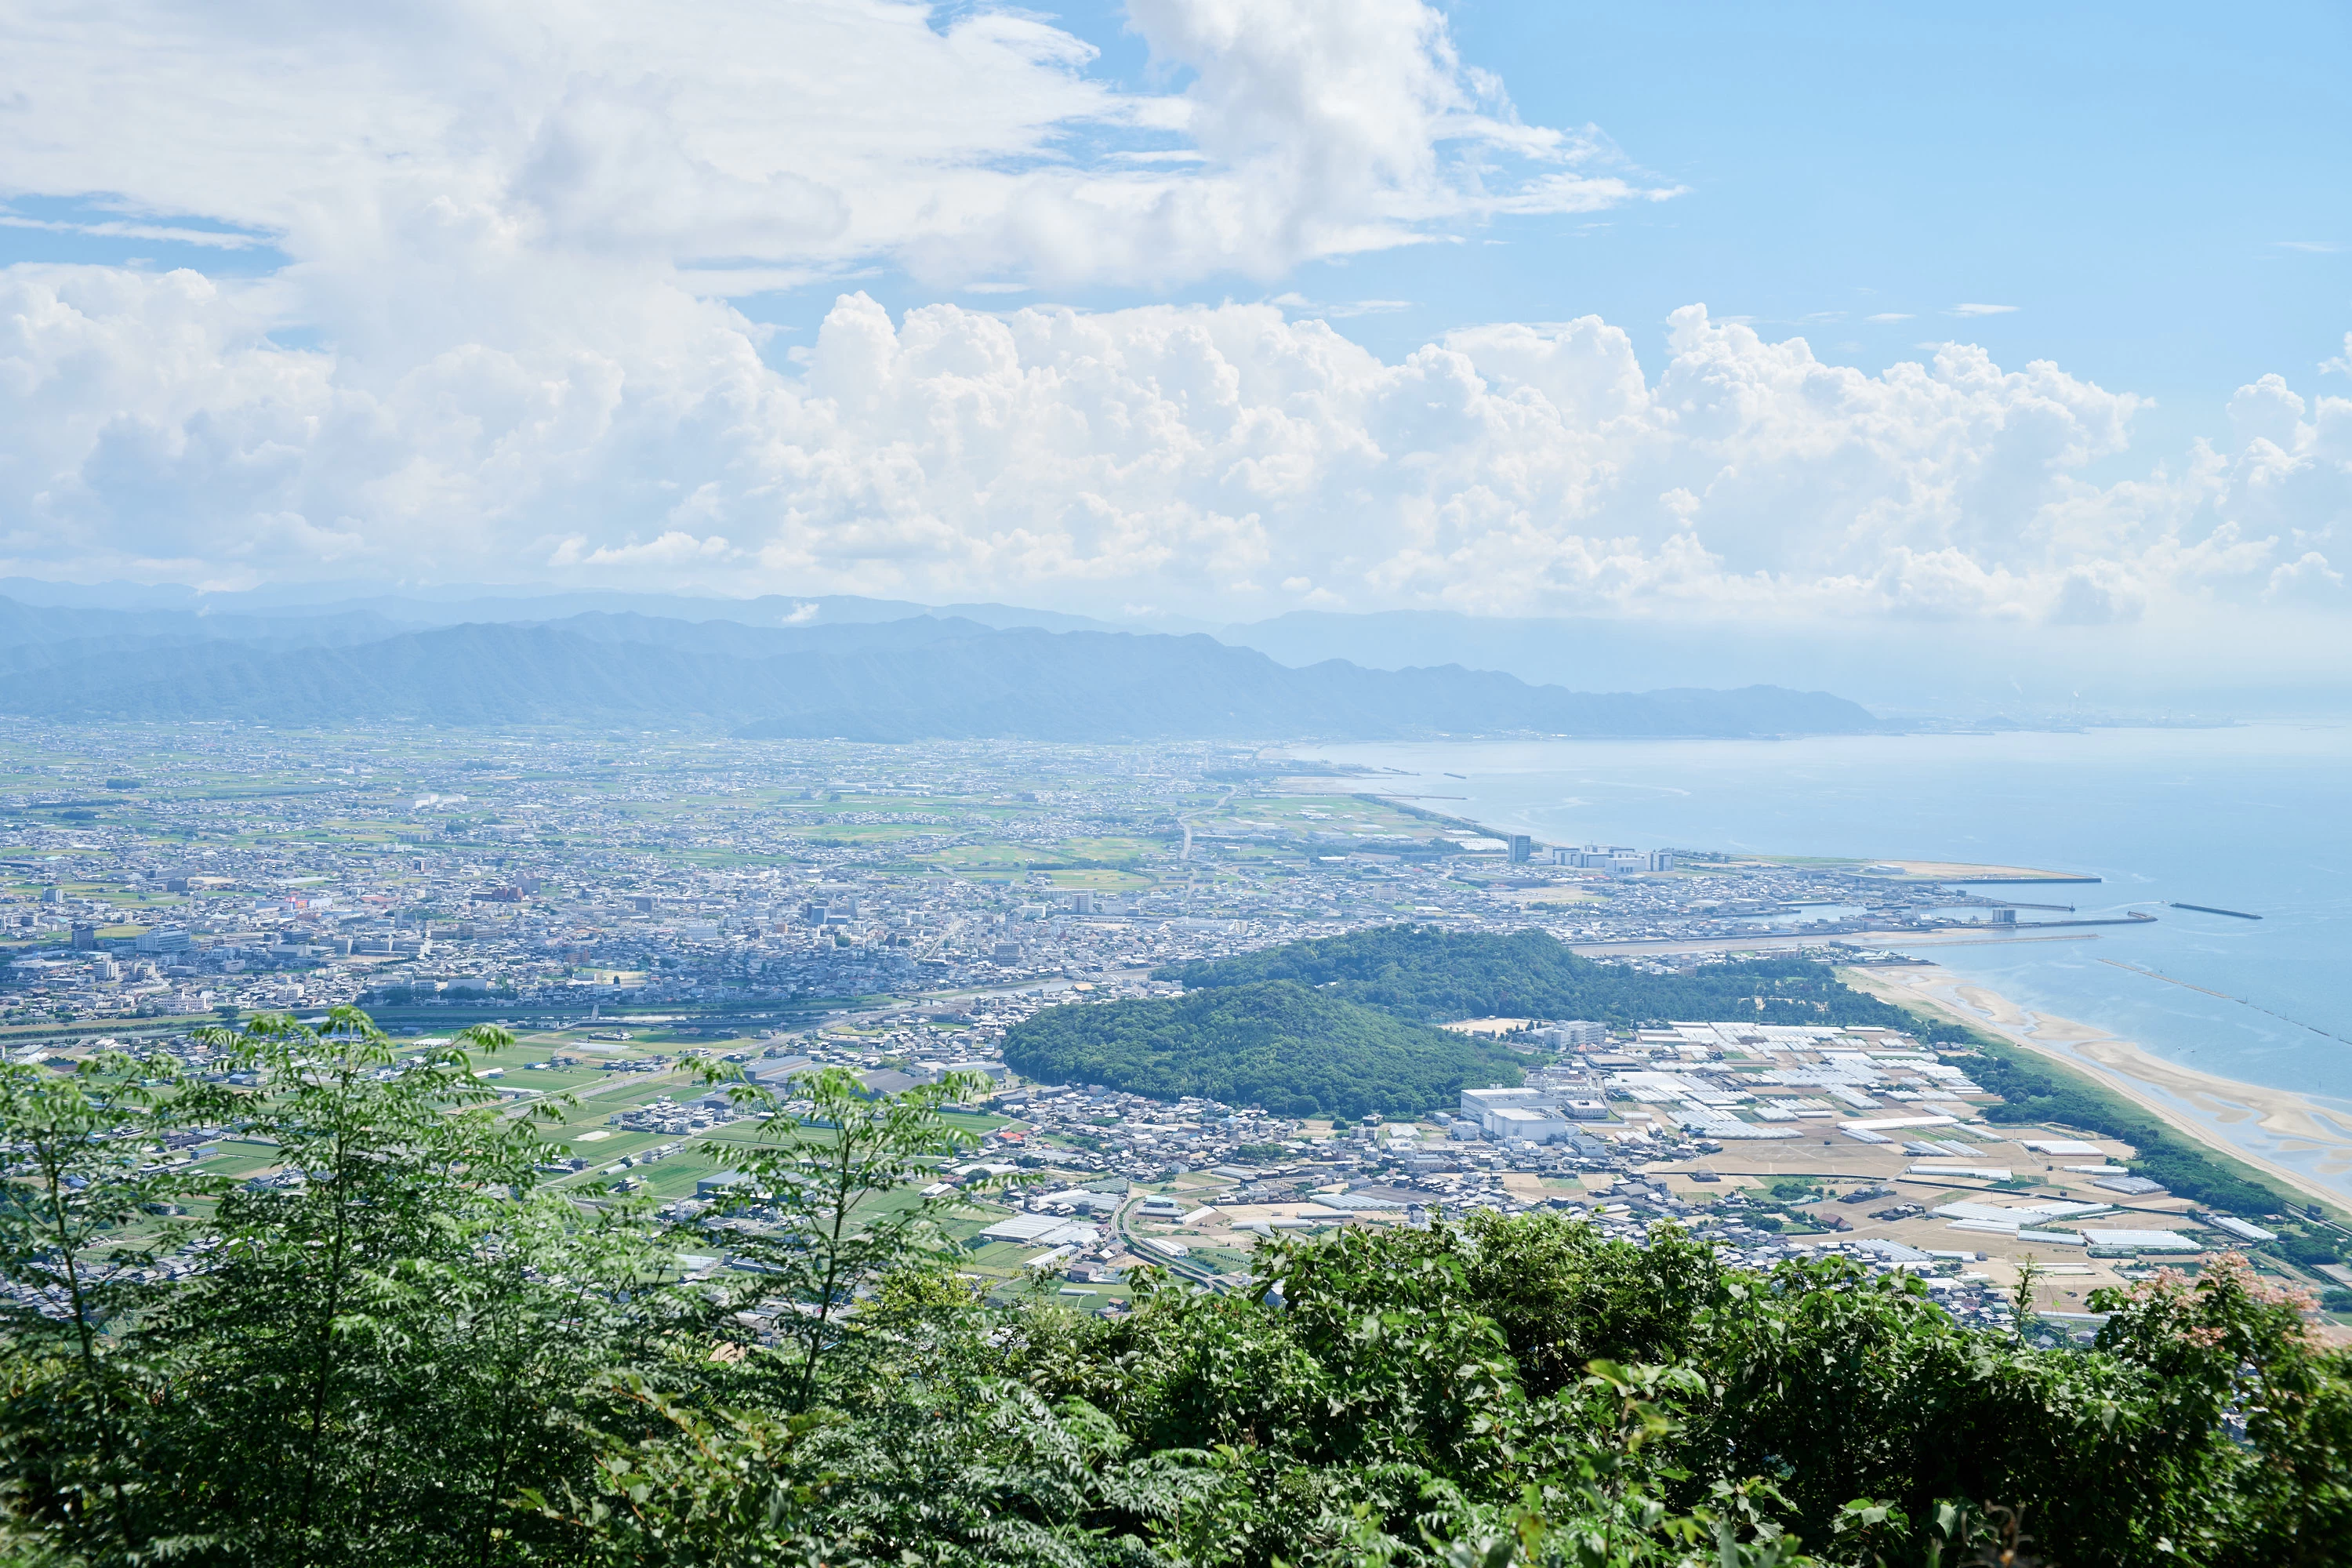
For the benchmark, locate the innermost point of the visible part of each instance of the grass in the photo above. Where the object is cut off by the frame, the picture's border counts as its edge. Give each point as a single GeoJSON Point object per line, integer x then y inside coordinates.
{"type": "Point", "coordinates": [238, 1160]}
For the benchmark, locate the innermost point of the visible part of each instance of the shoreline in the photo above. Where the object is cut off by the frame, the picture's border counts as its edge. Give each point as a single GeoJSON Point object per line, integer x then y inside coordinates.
{"type": "Point", "coordinates": [2298, 1140]}
{"type": "Point", "coordinates": [2199, 1105]}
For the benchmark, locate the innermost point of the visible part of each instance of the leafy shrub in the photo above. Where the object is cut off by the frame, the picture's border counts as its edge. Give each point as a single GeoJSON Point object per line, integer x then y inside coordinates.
{"type": "Point", "coordinates": [401, 1350]}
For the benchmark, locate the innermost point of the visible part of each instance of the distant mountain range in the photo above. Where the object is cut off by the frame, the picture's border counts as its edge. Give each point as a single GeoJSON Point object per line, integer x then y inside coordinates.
{"type": "Point", "coordinates": [914, 678]}
{"type": "Point", "coordinates": [1930, 674]}
{"type": "Point", "coordinates": [418, 608]}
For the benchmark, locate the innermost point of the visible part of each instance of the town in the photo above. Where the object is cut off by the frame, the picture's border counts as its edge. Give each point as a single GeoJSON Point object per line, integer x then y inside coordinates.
{"type": "Point", "coordinates": [656, 920]}
{"type": "Point", "coordinates": [560, 876]}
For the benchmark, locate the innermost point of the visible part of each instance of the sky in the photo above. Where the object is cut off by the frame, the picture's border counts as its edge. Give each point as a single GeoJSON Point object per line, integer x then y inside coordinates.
{"type": "Point", "coordinates": [1948, 322]}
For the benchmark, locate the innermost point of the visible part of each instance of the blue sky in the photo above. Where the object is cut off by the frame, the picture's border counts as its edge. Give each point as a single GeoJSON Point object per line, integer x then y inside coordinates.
{"type": "Point", "coordinates": [736, 298]}
{"type": "Point", "coordinates": [2163, 192]}
{"type": "Point", "coordinates": [2159, 191]}
{"type": "Point", "coordinates": [2132, 178]}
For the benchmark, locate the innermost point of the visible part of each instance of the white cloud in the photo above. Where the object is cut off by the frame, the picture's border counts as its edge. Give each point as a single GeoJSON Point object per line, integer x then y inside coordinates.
{"type": "Point", "coordinates": [764, 145]}
{"type": "Point", "coordinates": [1182, 457]}
{"type": "Point", "coordinates": [115, 228]}
{"type": "Point", "coordinates": [1292, 300]}
{"type": "Point", "coordinates": [1972, 310]}
{"type": "Point", "coordinates": [1889, 316]}
{"type": "Point", "coordinates": [2307, 577]}
{"type": "Point", "coordinates": [515, 226]}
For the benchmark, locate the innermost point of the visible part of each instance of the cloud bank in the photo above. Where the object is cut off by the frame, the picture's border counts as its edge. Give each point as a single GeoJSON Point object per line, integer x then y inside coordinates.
{"type": "Point", "coordinates": [513, 234]}
{"type": "Point", "coordinates": [1209, 460]}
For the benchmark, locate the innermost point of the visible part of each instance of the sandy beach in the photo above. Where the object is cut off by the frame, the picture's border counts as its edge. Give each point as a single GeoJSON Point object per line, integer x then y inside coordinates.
{"type": "Point", "coordinates": [2302, 1143]}
{"type": "Point", "coordinates": [1963, 871]}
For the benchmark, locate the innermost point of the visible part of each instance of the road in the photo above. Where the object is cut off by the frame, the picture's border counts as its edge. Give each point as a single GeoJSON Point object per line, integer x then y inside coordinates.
{"type": "Point", "coordinates": [1186, 1269]}
{"type": "Point", "coordinates": [1184, 821]}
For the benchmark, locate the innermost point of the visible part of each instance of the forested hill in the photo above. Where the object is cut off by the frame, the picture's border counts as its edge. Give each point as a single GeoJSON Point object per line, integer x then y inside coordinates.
{"type": "Point", "coordinates": [1342, 1025]}
{"type": "Point", "coordinates": [1296, 1051]}
{"type": "Point", "coordinates": [1429, 975]}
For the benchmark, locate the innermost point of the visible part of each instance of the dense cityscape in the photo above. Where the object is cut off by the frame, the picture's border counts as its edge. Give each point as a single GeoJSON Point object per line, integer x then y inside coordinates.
{"type": "Point", "coordinates": [646, 915]}
{"type": "Point", "coordinates": [563, 874]}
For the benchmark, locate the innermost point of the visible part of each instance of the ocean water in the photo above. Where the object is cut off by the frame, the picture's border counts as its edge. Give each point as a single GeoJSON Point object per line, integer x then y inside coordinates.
{"type": "Point", "coordinates": [2257, 818]}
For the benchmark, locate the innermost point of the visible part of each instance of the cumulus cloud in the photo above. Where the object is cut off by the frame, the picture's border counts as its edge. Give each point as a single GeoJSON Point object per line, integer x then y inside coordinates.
{"type": "Point", "coordinates": [511, 233]}
{"type": "Point", "coordinates": [2307, 577]}
{"type": "Point", "coordinates": [1206, 459]}
{"type": "Point", "coordinates": [762, 144]}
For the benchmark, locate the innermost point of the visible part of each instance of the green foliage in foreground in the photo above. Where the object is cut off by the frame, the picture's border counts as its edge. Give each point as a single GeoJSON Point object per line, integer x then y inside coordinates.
{"type": "Point", "coordinates": [415, 1358]}
{"type": "Point", "coordinates": [1432, 975]}
{"type": "Point", "coordinates": [1276, 1043]}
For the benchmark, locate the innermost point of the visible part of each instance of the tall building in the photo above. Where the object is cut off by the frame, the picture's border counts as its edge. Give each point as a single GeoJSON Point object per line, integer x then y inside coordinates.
{"type": "Point", "coordinates": [1522, 846]}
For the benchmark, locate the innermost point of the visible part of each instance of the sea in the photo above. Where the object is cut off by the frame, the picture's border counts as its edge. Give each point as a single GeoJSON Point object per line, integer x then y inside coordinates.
{"type": "Point", "coordinates": [2255, 818]}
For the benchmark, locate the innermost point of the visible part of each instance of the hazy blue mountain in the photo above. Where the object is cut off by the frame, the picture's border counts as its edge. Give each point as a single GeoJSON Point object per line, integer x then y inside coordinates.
{"type": "Point", "coordinates": [769, 610]}
{"type": "Point", "coordinates": [279, 603]}
{"type": "Point", "coordinates": [33, 636]}
{"type": "Point", "coordinates": [924, 677]}
{"type": "Point", "coordinates": [733, 640]}
{"type": "Point", "coordinates": [1581, 650]}
{"type": "Point", "coordinates": [2042, 674]}
{"type": "Point", "coordinates": [2039, 672]}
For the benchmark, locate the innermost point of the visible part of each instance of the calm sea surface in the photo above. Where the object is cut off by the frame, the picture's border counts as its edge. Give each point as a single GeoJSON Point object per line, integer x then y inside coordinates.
{"type": "Point", "coordinates": [2258, 818]}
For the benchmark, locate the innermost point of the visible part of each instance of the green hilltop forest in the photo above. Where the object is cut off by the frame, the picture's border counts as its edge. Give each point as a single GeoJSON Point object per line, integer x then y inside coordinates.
{"type": "Point", "coordinates": [401, 1351]}
{"type": "Point", "coordinates": [1432, 975]}
{"type": "Point", "coordinates": [1275, 1043]}
{"type": "Point", "coordinates": [1339, 1026]}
